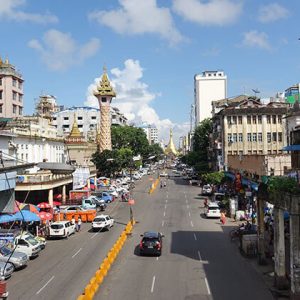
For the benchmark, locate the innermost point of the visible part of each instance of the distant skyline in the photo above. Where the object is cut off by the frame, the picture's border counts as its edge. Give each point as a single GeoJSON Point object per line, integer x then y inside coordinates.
{"type": "Point", "coordinates": [152, 49]}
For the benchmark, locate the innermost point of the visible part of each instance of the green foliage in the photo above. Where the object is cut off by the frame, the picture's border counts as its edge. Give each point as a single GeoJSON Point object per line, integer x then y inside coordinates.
{"type": "Point", "coordinates": [278, 185]}
{"type": "Point", "coordinates": [198, 158]}
{"type": "Point", "coordinates": [214, 178]}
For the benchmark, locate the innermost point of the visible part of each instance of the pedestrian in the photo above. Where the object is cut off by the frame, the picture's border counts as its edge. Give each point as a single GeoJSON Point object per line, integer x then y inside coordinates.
{"type": "Point", "coordinates": [161, 184]}
{"type": "Point", "coordinates": [73, 221]}
{"type": "Point", "coordinates": [79, 224]}
{"type": "Point", "coordinates": [223, 218]}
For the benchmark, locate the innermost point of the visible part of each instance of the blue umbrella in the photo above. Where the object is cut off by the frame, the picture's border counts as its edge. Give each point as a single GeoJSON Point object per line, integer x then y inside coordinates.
{"type": "Point", "coordinates": [7, 218]}
{"type": "Point", "coordinates": [26, 216]}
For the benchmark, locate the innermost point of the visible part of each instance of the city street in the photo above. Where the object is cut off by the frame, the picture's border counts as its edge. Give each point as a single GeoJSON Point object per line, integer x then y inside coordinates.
{"type": "Point", "coordinates": [197, 261]}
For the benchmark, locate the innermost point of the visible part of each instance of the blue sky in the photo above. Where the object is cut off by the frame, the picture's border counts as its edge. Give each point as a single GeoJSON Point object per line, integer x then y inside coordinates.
{"type": "Point", "coordinates": [152, 50]}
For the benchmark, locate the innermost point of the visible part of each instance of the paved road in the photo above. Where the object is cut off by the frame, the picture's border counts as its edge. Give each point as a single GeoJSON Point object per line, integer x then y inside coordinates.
{"type": "Point", "coordinates": [198, 261]}
{"type": "Point", "coordinates": [64, 268]}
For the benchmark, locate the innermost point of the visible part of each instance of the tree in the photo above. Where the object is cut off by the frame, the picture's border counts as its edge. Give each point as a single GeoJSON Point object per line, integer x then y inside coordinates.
{"type": "Point", "coordinates": [214, 178]}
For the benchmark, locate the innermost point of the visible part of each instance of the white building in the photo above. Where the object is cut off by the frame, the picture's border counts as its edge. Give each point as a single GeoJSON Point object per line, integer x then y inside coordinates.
{"type": "Point", "coordinates": [88, 120]}
{"type": "Point", "coordinates": [152, 133]}
{"type": "Point", "coordinates": [208, 86]}
{"type": "Point", "coordinates": [36, 141]}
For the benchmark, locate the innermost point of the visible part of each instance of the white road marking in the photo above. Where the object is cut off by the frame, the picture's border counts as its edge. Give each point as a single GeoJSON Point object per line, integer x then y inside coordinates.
{"type": "Point", "coordinates": [167, 195]}
{"type": "Point", "coordinates": [164, 213]}
{"type": "Point", "coordinates": [165, 206]}
{"type": "Point", "coordinates": [207, 286]}
{"type": "Point", "coordinates": [192, 224]}
{"type": "Point", "coordinates": [162, 223]}
{"type": "Point", "coordinates": [44, 285]}
{"type": "Point", "coordinates": [166, 200]}
{"type": "Point", "coordinates": [77, 252]}
{"type": "Point", "coordinates": [189, 214]}
{"type": "Point", "coordinates": [186, 201]}
{"type": "Point", "coordinates": [200, 258]}
{"type": "Point", "coordinates": [195, 237]}
{"type": "Point", "coordinates": [156, 257]}
{"type": "Point", "coordinates": [94, 235]}
{"type": "Point", "coordinates": [152, 286]}
{"type": "Point", "coordinates": [187, 206]}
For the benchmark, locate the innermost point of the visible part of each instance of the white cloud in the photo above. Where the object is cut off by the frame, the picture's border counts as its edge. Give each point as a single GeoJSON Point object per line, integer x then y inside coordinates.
{"type": "Point", "coordinates": [59, 50]}
{"type": "Point", "coordinates": [134, 99]}
{"type": "Point", "coordinates": [272, 12]}
{"type": "Point", "coordinates": [212, 12]}
{"type": "Point", "coordinates": [139, 17]}
{"type": "Point", "coordinates": [256, 39]}
{"type": "Point", "coordinates": [9, 9]}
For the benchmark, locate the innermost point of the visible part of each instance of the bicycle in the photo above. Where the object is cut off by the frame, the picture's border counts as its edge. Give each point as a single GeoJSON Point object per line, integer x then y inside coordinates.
{"type": "Point", "coordinates": [235, 234]}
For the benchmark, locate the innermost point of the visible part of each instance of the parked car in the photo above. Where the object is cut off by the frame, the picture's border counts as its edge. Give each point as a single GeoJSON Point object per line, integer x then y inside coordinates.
{"type": "Point", "coordinates": [99, 204]}
{"type": "Point", "coordinates": [108, 198]}
{"type": "Point", "coordinates": [102, 221]}
{"type": "Point", "coordinates": [151, 243]}
{"type": "Point", "coordinates": [163, 174]}
{"type": "Point", "coordinates": [17, 259]}
{"type": "Point", "coordinates": [27, 244]}
{"type": "Point", "coordinates": [61, 229]}
{"type": "Point", "coordinates": [71, 208]}
{"type": "Point", "coordinates": [213, 210]}
{"type": "Point", "coordinates": [206, 190]}
{"type": "Point", "coordinates": [6, 269]}
{"type": "Point", "coordinates": [40, 239]}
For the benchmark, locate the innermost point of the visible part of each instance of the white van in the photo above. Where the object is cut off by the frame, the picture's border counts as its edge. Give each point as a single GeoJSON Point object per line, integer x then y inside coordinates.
{"type": "Point", "coordinates": [61, 229]}
{"type": "Point", "coordinates": [27, 244]}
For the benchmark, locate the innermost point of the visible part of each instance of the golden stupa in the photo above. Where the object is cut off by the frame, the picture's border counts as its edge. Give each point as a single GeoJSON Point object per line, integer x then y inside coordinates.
{"type": "Point", "coordinates": [171, 150]}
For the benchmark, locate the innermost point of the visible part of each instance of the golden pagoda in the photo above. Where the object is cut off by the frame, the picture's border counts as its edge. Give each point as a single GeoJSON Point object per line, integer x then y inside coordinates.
{"type": "Point", "coordinates": [171, 150]}
{"type": "Point", "coordinates": [75, 134]}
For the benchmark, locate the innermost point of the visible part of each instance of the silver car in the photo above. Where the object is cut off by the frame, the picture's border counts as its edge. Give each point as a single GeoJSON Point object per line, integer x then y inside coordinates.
{"type": "Point", "coordinates": [16, 258]}
{"type": "Point", "coordinates": [6, 269]}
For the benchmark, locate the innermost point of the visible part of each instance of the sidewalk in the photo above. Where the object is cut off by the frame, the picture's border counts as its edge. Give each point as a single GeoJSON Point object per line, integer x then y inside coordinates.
{"type": "Point", "coordinates": [265, 271]}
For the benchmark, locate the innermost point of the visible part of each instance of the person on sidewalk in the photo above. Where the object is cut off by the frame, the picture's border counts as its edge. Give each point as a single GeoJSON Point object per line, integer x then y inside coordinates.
{"type": "Point", "coordinates": [79, 224]}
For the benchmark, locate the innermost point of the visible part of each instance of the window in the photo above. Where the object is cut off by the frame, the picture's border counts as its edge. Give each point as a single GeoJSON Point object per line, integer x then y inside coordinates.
{"type": "Point", "coordinates": [249, 137]}
{"type": "Point", "coordinates": [80, 126]}
{"type": "Point", "coordinates": [279, 136]}
{"type": "Point", "coordinates": [14, 96]}
{"type": "Point", "coordinates": [14, 109]}
{"type": "Point", "coordinates": [234, 137]}
{"type": "Point", "coordinates": [229, 138]}
{"type": "Point", "coordinates": [103, 99]}
{"type": "Point", "coordinates": [229, 120]}
{"type": "Point", "coordinates": [66, 126]}
{"type": "Point", "coordinates": [274, 136]}
{"type": "Point", "coordinates": [240, 119]}
{"type": "Point", "coordinates": [93, 118]}
{"type": "Point", "coordinates": [54, 119]}
{"type": "Point", "coordinates": [240, 137]}
{"type": "Point", "coordinates": [274, 119]}
{"type": "Point", "coordinates": [1, 95]}
{"type": "Point", "coordinates": [254, 137]}
{"type": "Point", "coordinates": [20, 110]}
{"type": "Point", "coordinates": [20, 98]}
{"type": "Point", "coordinates": [269, 137]}
{"type": "Point", "coordinates": [0, 109]}
{"type": "Point", "coordinates": [259, 137]}
{"type": "Point", "coordinates": [14, 83]}
{"type": "Point", "coordinates": [66, 118]}
{"type": "Point", "coordinates": [279, 120]}
{"type": "Point", "coordinates": [0, 81]}
{"type": "Point", "coordinates": [259, 119]}
{"type": "Point", "coordinates": [79, 118]}
{"type": "Point", "coordinates": [20, 85]}
{"type": "Point", "coordinates": [269, 119]}
{"type": "Point", "coordinates": [234, 120]}
{"type": "Point", "coordinates": [254, 119]}
{"type": "Point", "coordinates": [249, 120]}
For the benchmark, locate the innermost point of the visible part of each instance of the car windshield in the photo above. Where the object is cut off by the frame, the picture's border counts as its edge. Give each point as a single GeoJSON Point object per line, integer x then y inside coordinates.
{"type": "Point", "coordinates": [5, 251]}
{"type": "Point", "coordinates": [219, 197]}
{"type": "Point", "coordinates": [99, 220]}
{"type": "Point", "coordinates": [31, 240]}
{"type": "Point", "coordinates": [57, 226]}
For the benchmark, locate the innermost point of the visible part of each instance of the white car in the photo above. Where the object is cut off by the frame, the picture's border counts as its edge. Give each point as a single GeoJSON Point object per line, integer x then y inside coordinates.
{"type": "Point", "coordinates": [28, 245]}
{"type": "Point", "coordinates": [206, 190]}
{"type": "Point", "coordinates": [163, 174]}
{"type": "Point", "coordinates": [213, 210]}
{"type": "Point", "coordinates": [61, 229]}
{"type": "Point", "coordinates": [102, 222]}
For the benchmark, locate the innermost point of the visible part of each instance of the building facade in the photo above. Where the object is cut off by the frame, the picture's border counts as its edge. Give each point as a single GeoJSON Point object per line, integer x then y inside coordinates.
{"type": "Point", "coordinates": [11, 91]}
{"type": "Point", "coordinates": [87, 118]}
{"type": "Point", "coordinates": [46, 106]}
{"type": "Point", "coordinates": [151, 133]}
{"type": "Point", "coordinates": [208, 86]}
{"type": "Point", "coordinates": [244, 127]}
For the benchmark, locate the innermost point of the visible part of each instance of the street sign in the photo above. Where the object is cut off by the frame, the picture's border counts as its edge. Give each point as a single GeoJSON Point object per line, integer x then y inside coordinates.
{"type": "Point", "coordinates": [131, 201]}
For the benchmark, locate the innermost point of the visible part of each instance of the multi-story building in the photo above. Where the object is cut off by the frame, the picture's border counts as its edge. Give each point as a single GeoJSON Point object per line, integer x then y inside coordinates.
{"type": "Point", "coordinates": [292, 93]}
{"type": "Point", "coordinates": [88, 120]}
{"type": "Point", "coordinates": [11, 91]}
{"type": "Point", "coordinates": [46, 106]}
{"type": "Point", "coordinates": [36, 140]}
{"type": "Point", "coordinates": [208, 86]}
{"type": "Point", "coordinates": [249, 135]}
{"type": "Point", "coordinates": [151, 133]}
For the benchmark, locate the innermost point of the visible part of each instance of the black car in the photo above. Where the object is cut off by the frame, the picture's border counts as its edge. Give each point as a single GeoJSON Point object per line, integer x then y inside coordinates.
{"type": "Point", "coordinates": [151, 243]}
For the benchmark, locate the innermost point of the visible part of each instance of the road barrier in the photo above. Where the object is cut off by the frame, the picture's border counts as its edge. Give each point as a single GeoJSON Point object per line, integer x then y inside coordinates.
{"type": "Point", "coordinates": [153, 186]}
{"type": "Point", "coordinates": [93, 286]}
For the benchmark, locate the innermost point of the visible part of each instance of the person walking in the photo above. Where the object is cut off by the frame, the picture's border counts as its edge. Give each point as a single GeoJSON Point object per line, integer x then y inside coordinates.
{"type": "Point", "coordinates": [223, 218]}
{"type": "Point", "coordinates": [73, 221]}
{"type": "Point", "coordinates": [79, 224]}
